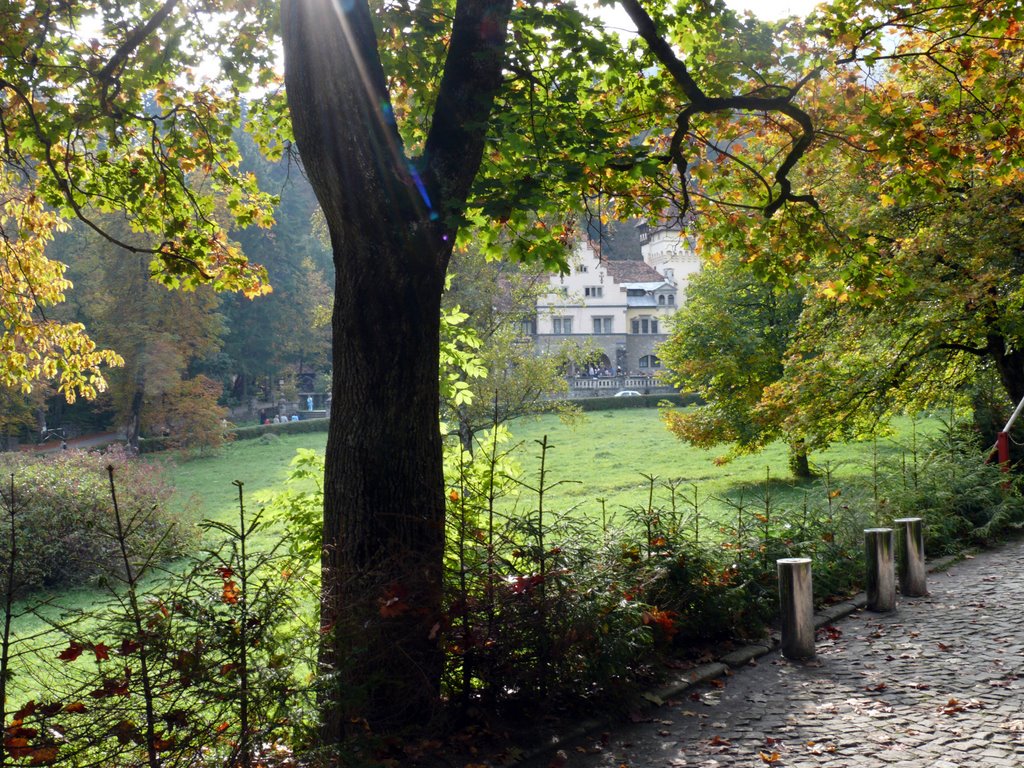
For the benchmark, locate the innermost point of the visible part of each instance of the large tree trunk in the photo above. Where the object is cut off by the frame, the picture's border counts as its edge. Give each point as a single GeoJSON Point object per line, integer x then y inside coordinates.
{"type": "Point", "coordinates": [392, 223]}
{"type": "Point", "coordinates": [384, 495]}
{"type": "Point", "coordinates": [1010, 365]}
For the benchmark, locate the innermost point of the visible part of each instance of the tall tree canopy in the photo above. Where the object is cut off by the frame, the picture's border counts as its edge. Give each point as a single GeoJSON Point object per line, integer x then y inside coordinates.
{"type": "Point", "coordinates": [104, 110]}
{"type": "Point", "coordinates": [910, 253]}
{"type": "Point", "coordinates": [728, 343]}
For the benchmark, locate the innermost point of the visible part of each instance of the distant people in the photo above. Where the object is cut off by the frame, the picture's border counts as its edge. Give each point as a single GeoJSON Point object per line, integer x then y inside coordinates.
{"type": "Point", "coordinates": [295, 417]}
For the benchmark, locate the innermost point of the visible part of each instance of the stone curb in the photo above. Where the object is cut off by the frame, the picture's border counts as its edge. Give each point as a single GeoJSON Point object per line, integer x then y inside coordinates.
{"type": "Point", "coordinates": [707, 672]}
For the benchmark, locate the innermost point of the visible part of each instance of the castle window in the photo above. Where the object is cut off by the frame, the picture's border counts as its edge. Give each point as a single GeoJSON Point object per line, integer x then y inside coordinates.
{"type": "Point", "coordinates": [645, 325]}
{"type": "Point", "coordinates": [602, 325]}
{"type": "Point", "coordinates": [562, 325]}
{"type": "Point", "coordinates": [650, 361]}
{"type": "Point", "coordinates": [593, 291]}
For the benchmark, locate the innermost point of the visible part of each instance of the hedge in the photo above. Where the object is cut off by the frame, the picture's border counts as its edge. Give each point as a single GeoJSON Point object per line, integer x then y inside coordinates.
{"type": "Point", "coordinates": [643, 401]}
{"type": "Point", "coordinates": [154, 444]}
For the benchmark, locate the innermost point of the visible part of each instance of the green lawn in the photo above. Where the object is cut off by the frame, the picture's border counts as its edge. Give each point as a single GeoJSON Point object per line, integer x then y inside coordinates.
{"type": "Point", "coordinates": [607, 454]}
{"type": "Point", "coordinates": [204, 487]}
{"type": "Point", "coordinates": [603, 454]}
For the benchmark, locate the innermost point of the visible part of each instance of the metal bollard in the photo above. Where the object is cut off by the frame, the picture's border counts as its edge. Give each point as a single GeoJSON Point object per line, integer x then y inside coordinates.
{"type": "Point", "coordinates": [796, 598]}
{"type": "Point", "coordinates": [910, 556]}
{"type": "Point", "coordinates": [881, 571]}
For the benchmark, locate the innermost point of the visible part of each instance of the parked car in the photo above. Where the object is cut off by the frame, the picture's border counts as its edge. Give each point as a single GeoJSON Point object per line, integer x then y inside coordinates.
{"type": "Point", "coordinates": [627, 393]}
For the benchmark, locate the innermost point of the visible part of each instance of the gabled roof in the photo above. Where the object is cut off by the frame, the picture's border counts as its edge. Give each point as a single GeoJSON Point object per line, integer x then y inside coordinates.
{"type": "Point", "coordinates": [632, 271]}
{"type": "Point", "coordinates": [650, 287]}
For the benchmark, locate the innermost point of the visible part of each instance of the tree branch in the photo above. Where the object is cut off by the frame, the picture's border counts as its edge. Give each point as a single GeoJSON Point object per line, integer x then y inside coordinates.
{"type": "Point", "coordinates": [134, 39]}
{"type": "Point", "coordinates": [470, 83]}
{"type": "Point", "coordinates": [754, 101]}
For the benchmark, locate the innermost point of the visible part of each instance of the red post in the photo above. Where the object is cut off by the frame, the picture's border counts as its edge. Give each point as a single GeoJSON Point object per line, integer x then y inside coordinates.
{"type": "Point", "coordinates": [1003, 449]}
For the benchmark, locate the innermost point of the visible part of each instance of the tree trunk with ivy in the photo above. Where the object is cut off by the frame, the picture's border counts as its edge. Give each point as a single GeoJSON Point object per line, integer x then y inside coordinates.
{"type": "Point", "coordinates": [392, 222]}
{"type": "Point", "coordinates": [799, 463]}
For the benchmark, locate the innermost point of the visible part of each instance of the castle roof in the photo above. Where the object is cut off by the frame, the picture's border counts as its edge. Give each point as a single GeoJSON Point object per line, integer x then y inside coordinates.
{"type": "Point", "coordinates": [632, 271]}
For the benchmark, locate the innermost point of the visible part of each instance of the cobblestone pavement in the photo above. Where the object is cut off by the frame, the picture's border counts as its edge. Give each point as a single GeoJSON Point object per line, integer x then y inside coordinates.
{"type": "Point", "coordinates": [938, 683]}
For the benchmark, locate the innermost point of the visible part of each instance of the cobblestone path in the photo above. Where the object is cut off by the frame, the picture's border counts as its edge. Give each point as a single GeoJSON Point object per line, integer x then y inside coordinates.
{"type": "Point", "coordinates": [939, 683]}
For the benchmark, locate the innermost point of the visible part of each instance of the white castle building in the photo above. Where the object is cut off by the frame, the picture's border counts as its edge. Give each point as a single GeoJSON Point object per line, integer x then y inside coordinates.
{"type": "Point", "coordinates": [621, 307]}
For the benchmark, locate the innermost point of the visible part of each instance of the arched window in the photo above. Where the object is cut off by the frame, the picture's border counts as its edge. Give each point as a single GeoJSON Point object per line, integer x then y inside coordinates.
{"type": "Point", "coordinates": [650, 361]}
{"type": "Point", "coordinates": [661, 300]}
{"type": "Point", "coordinates": [671, 299]}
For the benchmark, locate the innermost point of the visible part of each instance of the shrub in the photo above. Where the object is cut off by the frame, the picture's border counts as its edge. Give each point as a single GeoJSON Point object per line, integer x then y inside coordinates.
{"type": "Point", "coordinates": [546, 609]}
{"type": "Point", "coordinates": [206, 666]}
{"type": "Point", "coordinates": [536, 606]}
{"type": "Point", "coordinates": [63, 508]}
{"type": "Point", "coordinates": [964, 501]}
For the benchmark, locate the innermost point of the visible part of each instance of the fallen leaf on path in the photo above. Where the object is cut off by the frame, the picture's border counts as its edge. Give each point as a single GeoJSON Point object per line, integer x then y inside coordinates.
{"type": "Point", "coordinates": [820, 749]}
{"type": "Point", "coordinates": [828, 632]}
{"type": "Point", "coordinates": [953, 706]}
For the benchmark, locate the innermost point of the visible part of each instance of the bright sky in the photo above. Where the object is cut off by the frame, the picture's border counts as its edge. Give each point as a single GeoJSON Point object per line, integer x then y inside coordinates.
{"type": "Point", "coordinates": [769, 10]}
{"type": "Point", "coordinates": [774, 9]}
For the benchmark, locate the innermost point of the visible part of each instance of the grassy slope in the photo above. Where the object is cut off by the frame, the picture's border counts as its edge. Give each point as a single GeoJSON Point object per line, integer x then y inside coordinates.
{"type": "Point", "coordinates": [204, 487]}
{"type": "Point", "coordinates": [609, 452]}
{"type": "Point", "coordinates": [606, 452]}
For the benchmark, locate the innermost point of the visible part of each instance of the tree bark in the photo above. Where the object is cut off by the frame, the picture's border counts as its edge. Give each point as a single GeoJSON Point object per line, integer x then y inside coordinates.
{"type": "Point", "coordinates": [134, 426]}
{"type": "Point", "coordinates": [799, 463]}
{"type": "Point", "coordinates": [1010, 366]}
{"type": "Point", "coordinates": [392, 223]}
